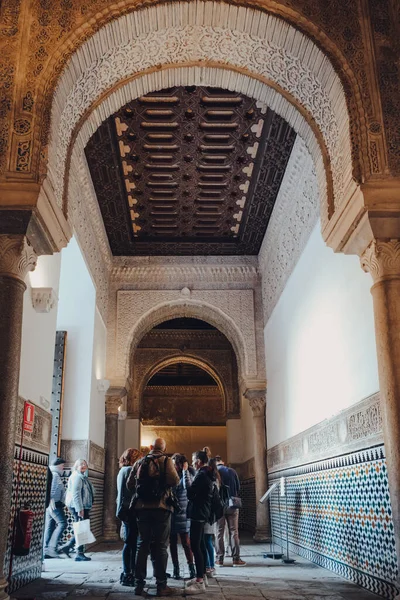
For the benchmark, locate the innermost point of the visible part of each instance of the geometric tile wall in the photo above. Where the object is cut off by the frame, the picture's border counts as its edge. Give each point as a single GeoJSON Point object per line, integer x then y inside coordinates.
{"type": "Point", "coordinates": [32, 488]}
{"type": "Point", "coordinates": [247, 514]}
{"type": "Point", "coordinates": [339, 516]}
{"type": "Point", "coordinates": [96, 513]}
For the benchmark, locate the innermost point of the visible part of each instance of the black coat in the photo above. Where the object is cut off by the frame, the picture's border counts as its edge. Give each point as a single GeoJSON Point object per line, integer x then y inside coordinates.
{"type": "Point", "coordinates": [180, 522]}
{"type": "Point", "coordinates": [199, 495]}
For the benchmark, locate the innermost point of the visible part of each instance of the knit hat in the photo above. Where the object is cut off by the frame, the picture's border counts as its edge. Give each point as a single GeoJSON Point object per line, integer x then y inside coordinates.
{"type": "Point", "coordinates": [57, 461]}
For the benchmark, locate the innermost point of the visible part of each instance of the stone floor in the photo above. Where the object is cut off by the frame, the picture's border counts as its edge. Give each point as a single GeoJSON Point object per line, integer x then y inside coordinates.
{"type": "Point", "coordinates": [64, 579]}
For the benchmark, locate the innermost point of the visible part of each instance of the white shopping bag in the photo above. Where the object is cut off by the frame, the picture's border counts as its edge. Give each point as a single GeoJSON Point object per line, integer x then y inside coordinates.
{"type": "Point", "coordinates": [82, 533]}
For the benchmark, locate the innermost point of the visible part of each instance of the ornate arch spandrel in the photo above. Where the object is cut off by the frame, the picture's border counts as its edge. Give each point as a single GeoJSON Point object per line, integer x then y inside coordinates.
{"type": "Point", "coordinates": [265, 54]}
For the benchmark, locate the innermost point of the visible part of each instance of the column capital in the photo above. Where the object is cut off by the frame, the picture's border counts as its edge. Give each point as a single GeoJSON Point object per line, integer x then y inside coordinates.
{"type": "Point", "coordinates": [257, 401]}
{"type": "Point", "coordinates": [382, 260]}
{"type": "Point", "coordinates": [114, 398]}
{"type": "Point", "coordinates": [17, 256]}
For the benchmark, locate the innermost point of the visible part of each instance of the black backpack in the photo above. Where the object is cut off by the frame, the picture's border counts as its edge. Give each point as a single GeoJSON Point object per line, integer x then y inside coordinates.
{"type": "Point", "coordinates": [150, 488]}
{"type": "Point", "coordinates": [217, 507]}
{"type": "Point", "coordinates": [225, 495]}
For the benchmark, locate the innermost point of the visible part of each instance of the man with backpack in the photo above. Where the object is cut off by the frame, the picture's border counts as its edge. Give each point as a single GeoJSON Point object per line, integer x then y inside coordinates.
{"type": "Point", "coordinates": [230, 479]}
{"type": "Point", "coordinates": [152, 478]}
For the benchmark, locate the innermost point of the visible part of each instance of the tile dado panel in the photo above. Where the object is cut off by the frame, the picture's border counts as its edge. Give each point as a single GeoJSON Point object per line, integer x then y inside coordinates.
{"type": "Point", "coordinates": [32, 489]}
{"type": "Point", "coordinates": [71, 450]}
{"type": "Point", "coordinates": [339, 510]}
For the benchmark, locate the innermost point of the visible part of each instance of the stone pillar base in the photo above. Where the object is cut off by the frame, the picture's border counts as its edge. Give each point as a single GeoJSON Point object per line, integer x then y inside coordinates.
{"type": "Point", "coordinates": [110, 536]}
{"type": "Point", "coordinates": [262, 535]}
{"type": "Point", "coordinates": [3, 593]}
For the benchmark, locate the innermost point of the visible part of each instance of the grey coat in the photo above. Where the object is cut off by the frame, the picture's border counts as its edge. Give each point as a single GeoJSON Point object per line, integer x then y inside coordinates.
{"type": "Point", "coordinates": [80, 492]}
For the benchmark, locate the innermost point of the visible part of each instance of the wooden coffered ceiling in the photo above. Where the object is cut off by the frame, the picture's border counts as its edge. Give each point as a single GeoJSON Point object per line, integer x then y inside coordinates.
{"type": "Point", "coordinates": [189, 171]}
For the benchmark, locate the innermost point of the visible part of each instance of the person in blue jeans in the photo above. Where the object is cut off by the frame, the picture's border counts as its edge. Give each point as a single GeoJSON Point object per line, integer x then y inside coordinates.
{"type": "Point", "coordinates": [56, 520]}
{"type": "Point", "coordinates": [124, 497]}
{"type": "Point", "coordinates": [79, 499]}
{"type": "Point", "coordinates": [209, 533]}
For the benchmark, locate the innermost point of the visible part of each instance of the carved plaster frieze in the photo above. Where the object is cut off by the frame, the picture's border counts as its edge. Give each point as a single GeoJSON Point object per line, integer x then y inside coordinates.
{"type": "Point", "coordinates": [294, 216]}
{"type": "Point", "coordinates": [166, 274]}
{"type": "Point", "coordinates": [89, 229]}
{"type": "Point", "coordinates": [382, 260]}
{"type": "Point", "coordinates": [167, 34]}
{"type": "Point", "coordinates": [353, 429]}
{"type": "Point", "coordinates": [17, 256]}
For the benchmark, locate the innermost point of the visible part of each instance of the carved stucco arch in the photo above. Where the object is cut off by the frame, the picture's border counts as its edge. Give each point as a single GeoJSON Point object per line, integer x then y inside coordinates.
{"type": "Point", "coordinates": [173, 360]}
{"type": "Point", "coordinates": [197, 310]}
{"type": "Point", "coordinates": [290, 73]}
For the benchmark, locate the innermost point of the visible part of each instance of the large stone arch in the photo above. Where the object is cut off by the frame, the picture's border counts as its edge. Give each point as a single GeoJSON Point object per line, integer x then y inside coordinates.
{"type": "Point", "coordinates": [290, 73]}
{"type": "Point", "coordinates": [246, 359]}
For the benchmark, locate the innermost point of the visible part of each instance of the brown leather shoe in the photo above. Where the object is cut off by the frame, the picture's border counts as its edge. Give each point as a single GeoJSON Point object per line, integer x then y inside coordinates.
{"type": "Point", "coordinates": [219, 562]}
{"type": "Point", "coordinates": [238, 562]}
{"type": "Point", "coordinates": [166, 591]}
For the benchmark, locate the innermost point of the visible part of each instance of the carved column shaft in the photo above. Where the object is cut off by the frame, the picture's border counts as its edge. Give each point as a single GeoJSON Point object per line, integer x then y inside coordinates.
{"type": "Point", "coordinates": [382, 260]}
{"type": "Point", "coordinates": [256, 400]}
{"type": "Point", "coordinates": [113, 401]}
{"type": "Point", "coordinates": [16, 259]}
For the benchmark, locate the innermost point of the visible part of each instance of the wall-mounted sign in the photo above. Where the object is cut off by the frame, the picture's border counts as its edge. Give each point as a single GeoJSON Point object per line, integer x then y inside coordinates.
{"type": "Point", "coordinates": [29, 416]}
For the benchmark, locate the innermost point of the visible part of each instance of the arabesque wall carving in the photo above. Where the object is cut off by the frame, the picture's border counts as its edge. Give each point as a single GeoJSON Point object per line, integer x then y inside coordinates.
{"type": "Point", "coordinates": [203, 36]}
{"type": "Point", "coordinates": [54, 31]}
{"type": "Point", "coordinates": [294, 217]}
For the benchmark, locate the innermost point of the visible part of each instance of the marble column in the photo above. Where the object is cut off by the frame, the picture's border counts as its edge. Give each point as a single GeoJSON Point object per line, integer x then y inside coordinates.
{"type": "Point", "coordinates": [113, 402]}
{"type": "Point", "coordinates": [382, 261]}
{"type": "Point", "coordinates": [257, 403]}
{"type": "Point", "coordinates": [16, 259]}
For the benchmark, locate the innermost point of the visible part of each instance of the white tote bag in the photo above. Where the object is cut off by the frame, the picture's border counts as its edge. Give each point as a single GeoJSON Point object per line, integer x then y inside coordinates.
{"type": "Point", "coordinates": [82, 533]}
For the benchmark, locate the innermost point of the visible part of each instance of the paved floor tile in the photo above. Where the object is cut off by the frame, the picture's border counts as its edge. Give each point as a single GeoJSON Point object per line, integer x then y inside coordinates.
{"type": "Point", "coordinates": [260, 579]}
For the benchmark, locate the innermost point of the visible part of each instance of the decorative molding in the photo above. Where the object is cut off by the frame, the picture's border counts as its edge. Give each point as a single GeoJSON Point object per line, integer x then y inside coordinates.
{"type": "Point", "coordinates": [353, 429]}
{"type": "Point", "coordinates": [245, 470]}
{"type": "Point", "coordinates": [17, 256]}
{"type": "Point", "coordinates": [382, 260]}
{"type": "Point", "coordinates": [292, 62]}
{"type": "Point", "coordinates": [72, 450]}
{"type": "Point", "coordinates": [294, 216]}
{"type": "Point", "coordinates": [167, 274]}
{"type": "Point", "coordinates": [103, 385]}
{"type": "Point", "coordinates": [96, 457]}
{"type": "Point", "coordinates": [43, 299]}
{"type": "Point", "coordinates": [40, 438]}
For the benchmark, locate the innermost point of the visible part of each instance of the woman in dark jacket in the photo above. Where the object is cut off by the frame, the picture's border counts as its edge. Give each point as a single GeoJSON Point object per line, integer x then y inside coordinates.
{"type": "Point", "coordinates": [180, 523]}
{"type": "Point", "coordinates": [127, 460]}
{"type": "Point", "coordinates": [199, 509]}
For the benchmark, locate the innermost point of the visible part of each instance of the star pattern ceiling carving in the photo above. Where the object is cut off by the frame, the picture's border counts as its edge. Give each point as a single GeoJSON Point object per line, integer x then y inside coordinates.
{"type": "Point", "coordinates": [189, 171]}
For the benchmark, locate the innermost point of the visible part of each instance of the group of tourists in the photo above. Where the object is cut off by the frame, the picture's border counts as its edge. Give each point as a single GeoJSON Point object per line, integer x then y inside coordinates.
{"type": "Point", "coordinates": [78, 498]}
{"type": "Point", "coordinates": [161, 498]}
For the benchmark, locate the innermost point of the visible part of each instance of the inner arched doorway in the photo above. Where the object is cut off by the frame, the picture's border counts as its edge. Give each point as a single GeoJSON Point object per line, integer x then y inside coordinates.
{"type": "Point", "coordinates": [183, 385]}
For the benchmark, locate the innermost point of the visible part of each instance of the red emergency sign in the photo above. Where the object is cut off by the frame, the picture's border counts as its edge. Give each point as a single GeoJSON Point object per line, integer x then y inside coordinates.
{"type": "Point", "coordinates": [29, 416]}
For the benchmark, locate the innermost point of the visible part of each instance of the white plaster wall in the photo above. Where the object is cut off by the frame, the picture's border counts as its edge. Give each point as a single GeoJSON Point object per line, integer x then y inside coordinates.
{"type": "Point", "coordinates": [38, 335]}
{"type": "Point", "coordinates": [234, 441]}
{"type": "Point", "coordinates": [247, 430]}
{"type": "Point", "coordinates": [320, 342]}
{"type": "Point", "coordinates": [97, 398]}
{"type": "Point", "coordinates": [76, 315]}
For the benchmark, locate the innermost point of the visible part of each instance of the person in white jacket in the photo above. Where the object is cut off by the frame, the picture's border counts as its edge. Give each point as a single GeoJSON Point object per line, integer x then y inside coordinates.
{"type": "Point", "coordinates": [79, 499]}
